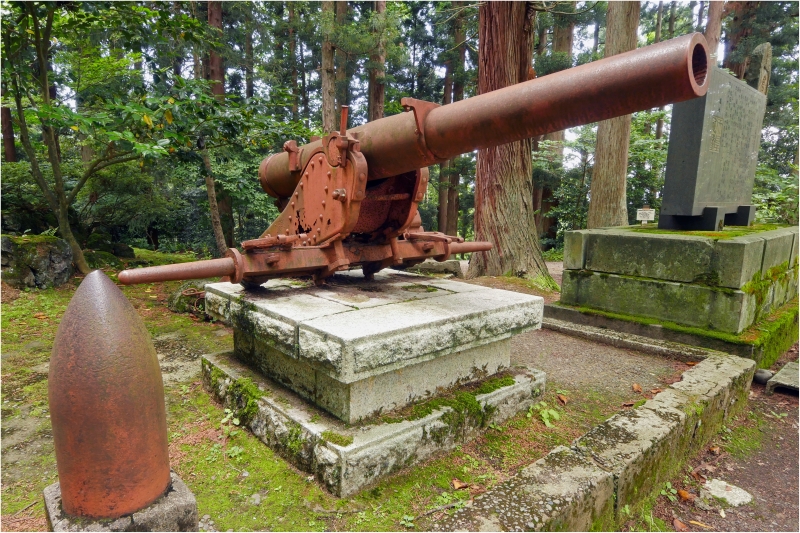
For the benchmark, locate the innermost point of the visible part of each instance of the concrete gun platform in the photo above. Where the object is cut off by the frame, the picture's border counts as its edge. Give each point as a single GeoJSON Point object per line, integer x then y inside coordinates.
{"type": "Point", "coordinates": [358, 348]}
{"type": "Point", "coordinates": [786, 378]}
{"type": "Point", "coordinates": [345, 458]}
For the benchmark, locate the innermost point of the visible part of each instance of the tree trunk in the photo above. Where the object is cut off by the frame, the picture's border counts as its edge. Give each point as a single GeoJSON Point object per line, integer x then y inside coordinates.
{"type": "Point", "coordinates": [740, 29]}
{"type": "Point", "coordinates": [303, 86]}
{"type": "Point", "coordinates": [444, 168]}
{"type": "Point", "coordinates": [714, 28]}
{"type": "Point", "coordinates": [216, 223]}
{"type": "Point", "coordinates": [248, 63]}
{"type": "Point", "coordinates": [659, 23]}
{"type": "Point", "coordinates": [328, 76]}
{"type": "Point", "coordinates": [342, 89]}
{"type": "Point", "coordinates": [671, 26]}
{"type": "Point", "coordinates": [217, 197]}
{"type": "Point", "coordinates": [293, 61]}
{"type": "Point", "coordinates": [377, 83]}
{"type": "Point", "coordinates": [9, 150]}
{"type": "Point", "coordinates": [460, 38]}
{"type": "Point", "coordinates": [503, 189]}
{"type": "Point", "coordinates": [700, 14]}
{"type": "Point", "coordinates": [215, 72]}
{"type": "Point", "coordinates": [608, 206]}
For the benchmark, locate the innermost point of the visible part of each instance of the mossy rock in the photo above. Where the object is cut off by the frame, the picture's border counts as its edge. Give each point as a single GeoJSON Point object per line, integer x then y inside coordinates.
{"type": "Point", "coordinates": [100, 242]}
{"type": "Point", "coordinates": [40, 261]}
{"type": "Point", "coordinates": [99, 259]}
{"type": "Point", "coordinates": [191, 303]}
{"type": "Point", "coordinates": [120, 249]}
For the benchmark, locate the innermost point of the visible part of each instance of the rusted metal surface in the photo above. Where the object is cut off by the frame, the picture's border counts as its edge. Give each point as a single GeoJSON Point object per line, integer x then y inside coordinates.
{"type": "Point", "coordinates": [107, 405]}
{"type": "Point", "coordinates": [350, 199]}
{"type": "Point", "coordinates": [660, 74]}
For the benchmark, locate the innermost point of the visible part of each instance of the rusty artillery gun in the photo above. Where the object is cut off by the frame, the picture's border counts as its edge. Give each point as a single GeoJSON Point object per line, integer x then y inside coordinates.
{"type": "Point", "coordinates": [351, 198]}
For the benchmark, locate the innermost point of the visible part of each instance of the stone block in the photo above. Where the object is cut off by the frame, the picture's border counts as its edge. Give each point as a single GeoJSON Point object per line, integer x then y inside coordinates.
{"type": "Point", "coordinates": [635, 446]}
{"type": "Point", "coordinates": [358, 347]}
{"type": "Point", "coordinates": [563, 491]}
{"type": "Point", "coordinates": [690, 304]}
{"type": "Point", "coordinates": [796, 243]}
{"type": "Point", "coordinates": [574, 246]}
{"type": "Point", "coordinates": [667, 257]}
{"type": "Point", "coordinates": [737, 260]}
{"type": "Point", "coordinates": [346, 458]}
{"type": "Point", "coordinates": [778, 247]}
{"type": "Point", "coordinates": [174, 511]}
{"type": "Point", "coordinates": [787, 378]}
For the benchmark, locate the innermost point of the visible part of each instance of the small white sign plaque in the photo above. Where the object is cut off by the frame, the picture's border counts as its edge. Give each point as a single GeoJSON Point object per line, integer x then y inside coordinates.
{"type": "Point", "coordinates": [646, 215]}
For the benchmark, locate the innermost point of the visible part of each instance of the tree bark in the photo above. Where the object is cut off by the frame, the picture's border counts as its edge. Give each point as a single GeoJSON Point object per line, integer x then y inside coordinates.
{"type": "Point", "coordinates": [460, 38]}
{"type": "Point", "coordinates": [444, 168]}
{"type": "Point", "coordinates": [9, 150]}
{"type": "Point", "coordinates": [503, 188]}
{"type": "Point", "coordinates": [700, 14]}
{"type": "Point", "coordinates": [328, 76]}
{"type": "Point", "coordinates": [714, 28]}
{"type": "Point", "coordinates": [659, 23]}
{"type": "Point", "coordinates": [217, 196]}
{"type": "Point", "coordinates": [215, 73]}
{"type": "Point", "coordinates": [608, 206]}
{"type": "Point", "coordinates": [377, 83]}
{"type": "Point", "coordinates": [342, 81]}
{"type": "Point", "coordinates": [293, 61]}
{"type": "Point", "coordinates": [740, 29]}
{"type": "Point", "coordinates": [248, 63]}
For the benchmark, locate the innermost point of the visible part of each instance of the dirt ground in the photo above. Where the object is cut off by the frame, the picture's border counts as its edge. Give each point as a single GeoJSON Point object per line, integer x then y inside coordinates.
{"type": "Point", "coordinates": [758, 453]}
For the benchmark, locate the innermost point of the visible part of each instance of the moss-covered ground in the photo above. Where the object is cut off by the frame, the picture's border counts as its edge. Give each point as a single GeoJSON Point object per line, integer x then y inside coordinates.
{"type": "Point", "coordinates": [728, 232]}
{"type": "Point", "coordinates": [226, 466]}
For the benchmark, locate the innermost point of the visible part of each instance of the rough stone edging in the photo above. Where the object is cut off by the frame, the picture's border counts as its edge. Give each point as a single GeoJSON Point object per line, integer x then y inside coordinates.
{"type": "Point", "coordinates": [618, 463]}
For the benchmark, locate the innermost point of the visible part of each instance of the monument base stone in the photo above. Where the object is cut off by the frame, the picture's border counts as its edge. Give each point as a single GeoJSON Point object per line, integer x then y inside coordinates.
{"type": "Point", "coordinates": [176, 510]}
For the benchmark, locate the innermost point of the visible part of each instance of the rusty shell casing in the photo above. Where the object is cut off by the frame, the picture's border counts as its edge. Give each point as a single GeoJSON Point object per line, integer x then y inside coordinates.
{"type": "Point", "coordinates": [106, 400]}
{"type": "Point", "coordinates": [656, 75]}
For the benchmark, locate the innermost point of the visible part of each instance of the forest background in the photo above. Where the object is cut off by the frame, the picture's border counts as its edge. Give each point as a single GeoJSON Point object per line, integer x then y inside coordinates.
{"type": "Point", "coordinates": [145, 122]}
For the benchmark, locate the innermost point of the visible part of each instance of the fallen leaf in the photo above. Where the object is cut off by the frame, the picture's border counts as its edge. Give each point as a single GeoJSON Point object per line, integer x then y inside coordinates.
{"type": "Point", "coordinates": [655, 391]}
{"type": "Point", "coordinates": [691, 363]}
{"type": "Point", "coordinates": [696, 523]}
{"type": "Point", "coordinates": [40, 316]}
{"type": "Point", "coordinates": [154, 296]}
{"type": "Point", "coordinates": [679, 526]}
{"type": "Point", "coordinates": [685, 495]}
{"type": "Point", "coordinates": [715, 450]}
{"type": "Point", "coordinates": [458, 484]}
{"type": "Point", "coordinates": [722, 513]}
{"type": "Point", "coordinates": [697, 476]}
{"type": "Point", "coordinates": [637, 388]}
{"type": "Point", "coordinates": [628, 404]}
{"type": "Point", "coordinates": [563, 399]}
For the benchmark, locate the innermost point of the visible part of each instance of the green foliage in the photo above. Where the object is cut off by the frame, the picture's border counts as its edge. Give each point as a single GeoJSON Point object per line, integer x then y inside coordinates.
{"type": "Point", "coordinates": [337, 438]}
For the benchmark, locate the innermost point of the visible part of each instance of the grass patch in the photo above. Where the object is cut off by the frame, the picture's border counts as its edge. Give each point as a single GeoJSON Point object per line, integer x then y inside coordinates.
{"type": "Point", "coordinates": [338, 439]}
{"type": "Point", "coordinates": [746, 438]}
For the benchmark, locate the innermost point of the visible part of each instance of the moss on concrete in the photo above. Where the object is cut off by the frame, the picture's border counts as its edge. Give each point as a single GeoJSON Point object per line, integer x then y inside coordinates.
{"type": "Point", "coordinates": [492, 384]}
{"type": "Point", "coordinates": [729, 232]}
{"type": "Point", "coordinates": [245, 395]}
{"type": "Point", "coordinates": [337, 438]}
{"type": "Point", "coordinates": [776, 333]}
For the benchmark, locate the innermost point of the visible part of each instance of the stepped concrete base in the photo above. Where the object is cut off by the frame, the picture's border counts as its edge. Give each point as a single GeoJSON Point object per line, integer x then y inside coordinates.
{"type": "Point", "coordinates": [175, 511]}
{"type": "Point", "coordinates": [619, 463]}
{"type": "Point", "coordinates": [706, 281]}
{"type": "Point", "coordinates": [358, 348]}
{"type": "Point", "coordinates": [345, 458]}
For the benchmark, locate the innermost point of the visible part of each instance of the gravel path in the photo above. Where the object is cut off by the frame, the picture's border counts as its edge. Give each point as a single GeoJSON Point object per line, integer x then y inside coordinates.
{"type": "Point", "coordinates": [578, 363]}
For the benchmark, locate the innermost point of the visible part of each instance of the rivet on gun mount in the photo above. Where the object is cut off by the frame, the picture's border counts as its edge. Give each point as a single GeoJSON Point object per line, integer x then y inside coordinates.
{"type": "Point", "coordinates": [106, 400]}
{"type": "Point", "coordinates": [351, 198]}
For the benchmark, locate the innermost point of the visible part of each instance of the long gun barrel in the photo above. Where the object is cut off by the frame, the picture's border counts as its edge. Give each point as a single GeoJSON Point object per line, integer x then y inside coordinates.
{"type": "Point", "coordinates": [664, 73]}
{"type": "Point", "coordinates": [351, 198]}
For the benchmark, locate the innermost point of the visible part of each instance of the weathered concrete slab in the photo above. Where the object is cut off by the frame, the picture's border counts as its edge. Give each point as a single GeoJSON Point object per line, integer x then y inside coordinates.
{"type": "Point", "coordinates": [788, 378]}
{"type": "Point", "coordinates": [731, 494]}
{"type": "Point", "coordinates": [667, 257]}
{"type": "Point", "coordinates": [430, 266]}
{"type": "Point", "coordinates": [175, 511]}
{"type": "Point", "coordinates": [778, 247]}
{"type": "Point", "coordinates": [358, 347]}
{"type": "Point", "coordinates": [574, 249]}
{"type": "Point", "coordinates": [737, 260]}
{"type": "Point", "coordinates": [563, 491]}
{"type": "Point", "coordinates": [695, 305]}
{"type": "Point", "coordinates": [346, 458]}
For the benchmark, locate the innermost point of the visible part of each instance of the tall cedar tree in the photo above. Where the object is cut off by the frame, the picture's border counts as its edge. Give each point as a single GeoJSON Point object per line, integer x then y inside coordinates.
{"type": "Point", "coordinates": [503, 187]}
{"type": "Point", "coordinates": [377, 71]}
{"type": "Point", "coordinates": [328, 74]}
{"type": "Point", "coordinates": [608, 206]}
{"type": "Point", "coordinates": [217, 76]}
